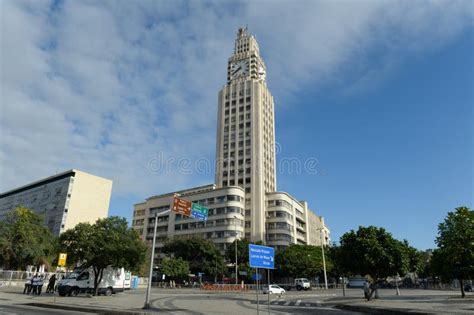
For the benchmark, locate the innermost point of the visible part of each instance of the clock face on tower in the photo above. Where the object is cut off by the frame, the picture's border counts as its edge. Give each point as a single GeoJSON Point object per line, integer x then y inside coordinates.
{"type": "Point", "coordinates": [239, 68]}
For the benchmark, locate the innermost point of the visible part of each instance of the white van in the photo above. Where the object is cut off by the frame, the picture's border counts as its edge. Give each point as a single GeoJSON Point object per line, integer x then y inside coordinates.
{"type": "Point", "coordinates": [113, 280]}
{"type": "Point", "coordinates": [302, 284]}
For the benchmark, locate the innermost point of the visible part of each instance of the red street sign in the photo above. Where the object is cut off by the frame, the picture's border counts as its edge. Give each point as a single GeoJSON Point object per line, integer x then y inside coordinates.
{"type": "Point", "coordinates": [182, 206]}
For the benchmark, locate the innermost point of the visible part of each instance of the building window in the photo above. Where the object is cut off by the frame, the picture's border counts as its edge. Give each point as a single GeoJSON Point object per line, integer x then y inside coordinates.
{"type": "Point", "coordinates": [233, 198]}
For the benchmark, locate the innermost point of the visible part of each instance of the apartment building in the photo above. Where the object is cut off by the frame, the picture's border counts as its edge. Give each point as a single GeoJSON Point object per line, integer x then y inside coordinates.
{"type": "Point", "coordinates": [64, 199]}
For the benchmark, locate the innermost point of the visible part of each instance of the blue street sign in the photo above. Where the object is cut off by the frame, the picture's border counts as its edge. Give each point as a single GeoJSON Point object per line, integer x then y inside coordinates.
{"type": "Point", "coordinates": [261, 256]}
{"type": "Point", "coordinates": [199, 212]}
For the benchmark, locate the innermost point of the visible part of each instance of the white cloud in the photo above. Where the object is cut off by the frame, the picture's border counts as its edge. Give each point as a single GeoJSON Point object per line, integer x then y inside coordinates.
{"type": "Point", "coordinates": [105, 86]}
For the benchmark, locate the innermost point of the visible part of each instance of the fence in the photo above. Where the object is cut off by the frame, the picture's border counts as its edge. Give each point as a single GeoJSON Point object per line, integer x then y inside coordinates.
{"type": "Point", "coordinates": [12, 278]}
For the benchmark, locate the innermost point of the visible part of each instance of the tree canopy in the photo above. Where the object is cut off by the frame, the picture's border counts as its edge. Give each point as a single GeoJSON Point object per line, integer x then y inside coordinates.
{"type": "Point", "coordinates": [108, 242]}
{"type": "Point", "coordinates": [24, 240]}
{"type": "Point", "coordinates": [174, 268]}
{"type": "Point", "coordinates": [454, 257]}
{"type": "Point", "coordinates": [372, 251]}
{"type": "Point", "coordinates": [202, 255]}
{"type": "Point", "coordinates": [300, 261]}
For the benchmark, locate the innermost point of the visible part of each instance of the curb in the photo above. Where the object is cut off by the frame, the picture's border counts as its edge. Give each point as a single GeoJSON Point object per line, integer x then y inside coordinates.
{"type": "Point", "coordinates": [378, 310]}
{"type": "Point", "coordinates": [90, 310]}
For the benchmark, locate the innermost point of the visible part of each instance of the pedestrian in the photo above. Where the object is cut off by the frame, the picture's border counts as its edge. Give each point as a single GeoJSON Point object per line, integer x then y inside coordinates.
{"type": "Point", "coordinates": [51, 283]}
{"type": "Point", "coordinates": [40, 284]}
{"type": "Point", "coordinates": [27, 288]}
{"type": "Point", "coordinates": [366, 290]}
{"type": "Point", "coordinates": [34, 284]}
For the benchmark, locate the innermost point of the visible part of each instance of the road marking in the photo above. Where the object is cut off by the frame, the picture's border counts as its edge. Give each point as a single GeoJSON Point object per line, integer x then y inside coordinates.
{"type": "Point", "coordinates": [297, 302]}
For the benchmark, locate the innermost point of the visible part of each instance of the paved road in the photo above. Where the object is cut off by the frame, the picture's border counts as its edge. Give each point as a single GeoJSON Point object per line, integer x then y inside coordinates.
{"type": "Point", "coordinates": [198, 304]}
{"type": "Point", "coordinates": [31, 310]}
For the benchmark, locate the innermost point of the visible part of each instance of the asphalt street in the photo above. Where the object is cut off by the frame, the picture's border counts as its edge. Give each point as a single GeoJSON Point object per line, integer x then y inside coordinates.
{"type": "Point", "coordinates": [32, 310]}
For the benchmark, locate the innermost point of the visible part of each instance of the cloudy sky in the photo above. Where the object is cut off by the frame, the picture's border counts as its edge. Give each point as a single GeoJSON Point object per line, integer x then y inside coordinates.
{"type": "Point", "coordinates": [379, 92]}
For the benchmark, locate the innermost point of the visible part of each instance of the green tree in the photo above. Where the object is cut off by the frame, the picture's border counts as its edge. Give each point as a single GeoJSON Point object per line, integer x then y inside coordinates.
{"type": "Point", "coordinates": [202, 255]}
{"type": "Point", "coordinates": [454, 257]}
{"type": "Point", "coordinates": [107, 243]}
{"type": "Point", "coordinates": [242, 251]}
{"type": "Point", "coordinates": [242, 256]}
{"type": "Point", "coordinates": [300, 261]}
{"type": "Point", "coordinates": [174, 268]}
{"type": "Point", "coordinates": [24, 240]}
{"type": "Point", "coordinates": [372, 251]}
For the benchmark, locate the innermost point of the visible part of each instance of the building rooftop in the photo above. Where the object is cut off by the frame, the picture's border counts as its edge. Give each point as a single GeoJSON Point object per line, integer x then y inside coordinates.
{"type": "Point", "coordinates": [42, 182]}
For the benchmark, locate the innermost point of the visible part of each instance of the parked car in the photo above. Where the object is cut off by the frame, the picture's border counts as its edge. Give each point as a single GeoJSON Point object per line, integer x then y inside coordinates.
{"type": "Point", "coordinates": [274, 289]}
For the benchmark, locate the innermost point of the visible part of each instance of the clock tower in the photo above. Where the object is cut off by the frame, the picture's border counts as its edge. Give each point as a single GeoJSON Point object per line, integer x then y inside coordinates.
{"type": "Point", "coordinates": [245, 152]}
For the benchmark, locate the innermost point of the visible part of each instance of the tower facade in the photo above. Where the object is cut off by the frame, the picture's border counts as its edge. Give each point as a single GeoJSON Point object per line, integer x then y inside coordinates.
{"type": "Point", "coordinates": [244, 201]}
{"type": "Point", "coordinates": [245, 152]}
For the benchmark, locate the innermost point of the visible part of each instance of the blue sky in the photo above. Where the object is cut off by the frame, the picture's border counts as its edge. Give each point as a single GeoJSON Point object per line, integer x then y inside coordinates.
{"type": "Point", "coordinates": [379, 92]}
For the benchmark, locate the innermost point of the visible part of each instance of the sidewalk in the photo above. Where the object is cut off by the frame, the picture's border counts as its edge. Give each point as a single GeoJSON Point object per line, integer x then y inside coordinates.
{"type": "Point", "coordinates": [409, 302]}
{"type": "Point", "coordinates": [127, 303]}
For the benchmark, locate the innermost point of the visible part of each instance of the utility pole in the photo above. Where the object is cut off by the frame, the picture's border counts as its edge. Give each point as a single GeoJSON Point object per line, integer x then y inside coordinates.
{"type": "Point", "coordinates": [150, 274]}
{"type": "Point", "coordinates": [324, 261]}
{"type": "Point", "coordinates": [152, 259]}
{"type": "Point", "coordinates": [236, 265]}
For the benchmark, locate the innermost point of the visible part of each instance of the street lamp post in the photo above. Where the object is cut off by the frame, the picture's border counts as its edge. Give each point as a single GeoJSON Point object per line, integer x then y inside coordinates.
{"type": "Point", "coordinates": [150, 274]}
{"type": "Point", "coordinates": [236, 265]}
{"type": "Point", "coordinates": [324, 261]}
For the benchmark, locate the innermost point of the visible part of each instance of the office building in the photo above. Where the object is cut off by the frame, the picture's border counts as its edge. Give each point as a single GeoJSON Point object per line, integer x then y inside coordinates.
{"type": "Point", "coordinates": [246, 166]}
{"type": "Point", "coordinates": [64, 199]}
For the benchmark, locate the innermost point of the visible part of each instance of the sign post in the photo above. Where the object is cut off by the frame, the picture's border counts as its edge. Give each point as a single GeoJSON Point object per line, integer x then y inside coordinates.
{"type": "Point", "coordinates": [182, 206]}
{"type": "Point", "coordinates": [262, 257]}
{"type": "Point", "coordinates": [190, 209]}
{"type": "Point", "coordinates": [199, 212]}
{"type": "Point", "coordinates": [62, 259]}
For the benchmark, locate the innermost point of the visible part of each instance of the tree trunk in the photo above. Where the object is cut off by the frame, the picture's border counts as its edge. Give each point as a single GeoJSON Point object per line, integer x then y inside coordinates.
{"type": "Point", "coordinates": [98, 273]}
{"type": "Point", "coordinates": [374, 289]}
{"type": "Point", "coordinates": [461, 283]}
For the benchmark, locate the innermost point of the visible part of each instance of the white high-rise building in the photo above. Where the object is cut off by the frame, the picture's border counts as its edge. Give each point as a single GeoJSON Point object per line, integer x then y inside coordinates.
{"type": "Point", "coordinates": [244, 200]}
{"type": "Point", "coordinates": [246, 131]}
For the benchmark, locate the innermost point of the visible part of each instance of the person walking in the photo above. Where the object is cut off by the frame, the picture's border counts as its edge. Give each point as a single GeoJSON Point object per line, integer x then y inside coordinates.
{"type": "Point", "coordinates": [51, 284]}
{"type": "Point", "coordinates": [27, 288]}
{"type": "Point", "coordinates": [40, 284]}
{"type": "Point", "coordinates": [34, 284]}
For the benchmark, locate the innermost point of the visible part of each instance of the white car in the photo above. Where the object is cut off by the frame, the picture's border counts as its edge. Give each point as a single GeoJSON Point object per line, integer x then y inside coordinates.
{"type": "Point", "coordinates": [274, 289]}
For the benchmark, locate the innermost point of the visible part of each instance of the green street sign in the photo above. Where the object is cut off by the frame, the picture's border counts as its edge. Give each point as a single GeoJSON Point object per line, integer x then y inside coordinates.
{"type": "Point", "coordinates": [199, 212]}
